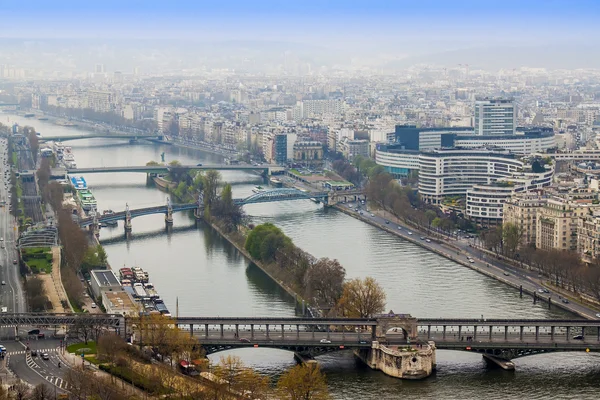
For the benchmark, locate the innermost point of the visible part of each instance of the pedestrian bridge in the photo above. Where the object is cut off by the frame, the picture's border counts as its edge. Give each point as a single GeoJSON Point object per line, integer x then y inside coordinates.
{"type": "Point", "coordinates": [267, 196]}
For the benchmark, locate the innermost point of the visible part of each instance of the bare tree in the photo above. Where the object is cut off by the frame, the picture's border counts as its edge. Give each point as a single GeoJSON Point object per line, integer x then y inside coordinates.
{"type": "Point", "coordinates": [42, 392]}
{"type": "Point", "coordinates": [324, 282]}
{"type": "Point", "coordinates": [21, 391]}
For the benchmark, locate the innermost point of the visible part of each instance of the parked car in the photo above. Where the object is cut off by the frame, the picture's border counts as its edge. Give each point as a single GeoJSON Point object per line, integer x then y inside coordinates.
{"type": "Point", "coordinates": [578, 337]}
{"type": "Point", "coordinates": [244, 340]}
{"type": "Point", "coordinates": [41, 335]}
{"type": "Point", "coordinates": [325, 341]}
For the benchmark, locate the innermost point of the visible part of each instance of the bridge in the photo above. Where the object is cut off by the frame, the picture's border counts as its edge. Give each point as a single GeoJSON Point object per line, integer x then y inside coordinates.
{"type": "Point", "coordinates": [505, 339]}
{"type": "Point", "coordinates": [163, 169]}
{"type": "Point", "coordinates": [398, 344]}
{"type": "Point", "coordinates": [99, 136]}
{"type": "Point", "coordinates": [267, 196]}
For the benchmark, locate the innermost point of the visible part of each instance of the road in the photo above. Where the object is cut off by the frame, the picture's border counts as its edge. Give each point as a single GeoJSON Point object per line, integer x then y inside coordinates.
{"type": "Point", "coordinates": [481, 261]}
{"type": "Point", "coordinates": [11, 290]}
{"type": "Point", "coordinates": [35, 370]}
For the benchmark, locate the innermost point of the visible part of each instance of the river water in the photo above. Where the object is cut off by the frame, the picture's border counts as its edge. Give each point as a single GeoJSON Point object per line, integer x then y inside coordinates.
{"type": "Point", "coordinates": [210, 278]}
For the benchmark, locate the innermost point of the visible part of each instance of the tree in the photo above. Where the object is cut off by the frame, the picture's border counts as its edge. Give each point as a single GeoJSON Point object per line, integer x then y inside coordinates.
{"type": "Point", "coordinates": [43, 174]}
{"type": "Point", "coordinates": [42, 392]}
{"type": "Point", "coordinates": [324, 282]}
{"type": "Point", "coordinates": [53, 195]}
{"type": "Point", "coordinates": [431, 216]}
{"type": "Point", "coordinates": [212, 180]}
{"type": "Point", "coordinates": [362, 298]}
{"type": "Point", "coordinates": [21, 391]}
{"type": "Point", "coordinates": [265, 240]}
{"type": "Point", "coordinates": [303, 382]}
{"type": "Point", "coordinates": [110, 346]}
{"type": "Point", "coordinates": [512, 235]}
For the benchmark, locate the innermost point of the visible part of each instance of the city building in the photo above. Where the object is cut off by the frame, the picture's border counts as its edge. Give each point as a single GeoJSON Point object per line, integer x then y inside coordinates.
{"type": "Point", "coordinates": [494, 117]}
{"type": "Point", "coordinates": [396, 160]}
{"type": "Point", "coordinates": [485, 203]}
{"type": "Point", "coordinates": [521, 209]}
{"type": "Point", "coordinates": [351, 148]}
{"type": "Point", "coordinates": [120, 302]}
{"type": "Point", "coordinates": [452, 172]}
{"type": "Point", "coordinates": [557, 220]}
{"type": "Point", "coordinates": [100, 101]}
{"type": "Point", "coordinates": [308, 153]}
{"type": "Point", "coordinates": [588, 236]}
{"type": "Point", "coordinates": [103, 280]}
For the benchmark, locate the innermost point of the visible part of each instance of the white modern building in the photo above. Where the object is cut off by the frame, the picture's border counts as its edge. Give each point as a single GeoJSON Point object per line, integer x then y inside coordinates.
{"type": "Point", "coordinates": [396, 161]}
{"type": "Point", "coordinates": [485, 203]}
{"type": "Point", "coordinates": [523, 143]}
{"type": "Point", "coordinates": [495, 117]}
{"type": "Point", "coordinates": [452, 172]}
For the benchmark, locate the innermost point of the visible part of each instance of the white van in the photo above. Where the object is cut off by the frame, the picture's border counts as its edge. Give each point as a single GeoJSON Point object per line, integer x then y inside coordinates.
{"type": "Point", "coordinates": [4, 309]}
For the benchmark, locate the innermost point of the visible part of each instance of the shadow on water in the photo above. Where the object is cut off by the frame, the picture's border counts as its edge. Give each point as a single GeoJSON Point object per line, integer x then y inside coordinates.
{"type": "Point", "coordinates": [260, 281]}
{"type": "Point", "coordinates": [134, 237]}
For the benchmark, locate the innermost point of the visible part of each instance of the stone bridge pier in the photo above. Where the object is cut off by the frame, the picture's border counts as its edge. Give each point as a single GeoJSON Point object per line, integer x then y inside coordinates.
{"type": "Point", "coordinates": [397, 351]}
{"type": "Point", "coordinates": [127, 219]}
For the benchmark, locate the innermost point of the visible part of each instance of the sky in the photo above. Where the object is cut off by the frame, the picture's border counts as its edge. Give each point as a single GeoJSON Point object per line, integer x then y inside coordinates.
{"type": "Point", "coordinates": [437, 23]}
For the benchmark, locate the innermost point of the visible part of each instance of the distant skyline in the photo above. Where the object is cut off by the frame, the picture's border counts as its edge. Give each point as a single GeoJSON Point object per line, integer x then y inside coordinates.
{"type": "Point", "coordinates": [394, 26]}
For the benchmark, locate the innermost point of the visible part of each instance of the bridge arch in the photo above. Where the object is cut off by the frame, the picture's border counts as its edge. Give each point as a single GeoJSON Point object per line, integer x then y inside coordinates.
{"type": "Point", "coordinates": [305, 351]}
{"type": "Point", "coordinates": [281, 194]}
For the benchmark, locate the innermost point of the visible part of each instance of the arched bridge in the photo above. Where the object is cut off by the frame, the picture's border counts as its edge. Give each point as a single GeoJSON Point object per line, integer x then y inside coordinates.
{"type": "Point", "coordinates": [267, 196]}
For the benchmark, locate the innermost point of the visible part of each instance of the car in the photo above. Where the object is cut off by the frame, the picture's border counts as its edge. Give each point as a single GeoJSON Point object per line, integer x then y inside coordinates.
{"type": "Point", "coordinates": [541, 291]}
{"type": "Point", "coordinates": [387, 222]}
{"type": "Point", "coordinates": [506, 273]}
{"type": "Point", "coordinates": [362, 341]}
{"type": "Point", "coordinates": [325, 341]}
{"type": "Point", "coordinates": [472, 261]}
{"type": "Point", "coordinates": [41, 335]}
{"type": "Point", "coordinates": [372, 215]}
{"type": "Point", "coordinates": [15, 262]}
{"type": "Point", "coordinates": [399, 227]}
{"type": "Point", "coordinates": [422, 237]}
{"type": "Point", "coordinates": [409, 232]}
{"type": "Point", "coordinates": [578, 337]}
{"type": "Point", "coordinates": [545, 290]}
{"type": "Point", "coordinates": [94, 305]}
{"type": "Point", "coordinates": [244, 340]}
{"type": "Point", "coordinates": [198, 165]}
{"type": "Point", "coordinates": [428, 240]}
{"type": "Point", "coordinates": [1, 239]}
{"type": "Point", "coordinates": [3, 283]}
{"type": "Point", "coordinates": [598, 315]}
{"type": "Point", "coordinates": [565, 301]}
{"type": "Point", "coordinates": [33, 353]}
{"type": "Point", "coordinates": [45, 356]}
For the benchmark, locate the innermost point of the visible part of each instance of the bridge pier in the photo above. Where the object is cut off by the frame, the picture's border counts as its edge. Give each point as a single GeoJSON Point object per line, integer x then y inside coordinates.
{"type": "Point", "coordinates": [568, 333]}
{"type": "Point", "coordinates": [282, 332]}
{"type": "Point", "coordinates": [206, 331]}
{"type": "Point", "coordinates": [252, 331]}
{"type": "Point", "coordinates": [506, 333]}
{"type": "Point", "coordinates": [490, 333]}
{"type": "Point", "coordinates": [537, 332]}
{"type": "Point", "coordinates": [475, 332]}
{"type": "Point", "coordinates": [444, 332]}
{"type": "Point", "coordinates": [521, 328]}
{"type": "Point", "coordinates": [552, 333]}
{"type": "Point", "coordinates": [169, 216]}
{"type": "Point", "coordinates": [267, 326]}
{"type": "Point", "coordinates": [127, 218]}
{"type": "Point", "coordinates": [191, 329]}
{"type": "Point", "coordinates": [298, 332]}
{"type": "Point", "coordinates": [221, 331]}
{"type": "Point", "coordinates": [237, 331]}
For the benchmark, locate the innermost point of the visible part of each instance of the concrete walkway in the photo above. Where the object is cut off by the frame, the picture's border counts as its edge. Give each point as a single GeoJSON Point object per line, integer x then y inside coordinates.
{"type": "Point", "coordinates": [57, 278]}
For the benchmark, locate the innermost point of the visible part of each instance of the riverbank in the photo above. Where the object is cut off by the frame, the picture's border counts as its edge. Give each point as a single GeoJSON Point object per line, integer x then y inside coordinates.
{"type": "Point", "coordinates": [454, 253]}
{"type": "Point", "coordinates": [299, 301]}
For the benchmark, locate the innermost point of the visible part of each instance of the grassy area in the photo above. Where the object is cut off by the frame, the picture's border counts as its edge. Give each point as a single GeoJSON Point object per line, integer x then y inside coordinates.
{"type": "Point", "coordinates": [14, 158]}
{"type": "Point", "coordinates": [90, 348]}
{"type": "Point", "coordinates": [39, 259]}
{"type": "Point", "coordinates": [93, 360]}
{"type": "Point", "coordinates": [295, 172]}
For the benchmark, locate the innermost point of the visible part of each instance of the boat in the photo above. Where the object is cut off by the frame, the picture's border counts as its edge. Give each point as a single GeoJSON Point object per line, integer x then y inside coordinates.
{"type": "Point", "coordinates": [140, 275]}
{"type": "Point", "coordinates": [43, 119]}
{"type": "Point", "coordinates": [258, 189]}
{"type": "Point", "coordinates": [79, 182]}
{"type": "Point", "coordinates": [150, 290]}
{"type": "Point", "coordinates": [29, 115]}
{"type": "Point", "coordinates": [86, 200]}
{"type": "Point", "coordinates": [276, 182]}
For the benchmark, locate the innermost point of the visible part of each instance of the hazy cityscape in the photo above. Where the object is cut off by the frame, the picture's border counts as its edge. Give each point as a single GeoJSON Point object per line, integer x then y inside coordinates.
{"type": "Point", "coordinates": [326, 200]}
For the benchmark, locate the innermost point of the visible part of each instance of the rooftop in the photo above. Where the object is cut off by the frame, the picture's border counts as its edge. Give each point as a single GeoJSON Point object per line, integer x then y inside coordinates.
{"type": "Point", "coordinates": [105, 277]}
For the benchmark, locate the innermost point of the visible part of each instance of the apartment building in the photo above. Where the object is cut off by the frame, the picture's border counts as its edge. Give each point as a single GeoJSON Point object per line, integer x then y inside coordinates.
{"type": "Point", "coordinates": [522, 209]}
{"type": "Point", "coordinates": [557, 220]}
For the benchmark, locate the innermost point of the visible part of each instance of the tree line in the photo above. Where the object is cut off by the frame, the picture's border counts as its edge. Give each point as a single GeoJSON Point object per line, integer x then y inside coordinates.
{"type": "Point", "coordinates": [321, 281]}
{"type": "Point", "coordinates": [564, 268]}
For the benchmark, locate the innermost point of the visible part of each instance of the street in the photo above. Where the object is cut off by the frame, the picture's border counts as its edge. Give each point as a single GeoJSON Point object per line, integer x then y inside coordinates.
{"type": "Point", "coordinates": [11, 291]}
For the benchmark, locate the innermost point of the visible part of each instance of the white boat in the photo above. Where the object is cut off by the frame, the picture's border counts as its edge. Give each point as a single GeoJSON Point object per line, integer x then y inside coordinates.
{"type": "Point", "coordinates": [258, 189]}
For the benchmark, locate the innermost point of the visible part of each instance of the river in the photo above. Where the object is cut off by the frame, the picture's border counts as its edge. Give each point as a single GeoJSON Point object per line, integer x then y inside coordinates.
{"type": "Point", "coordinates": [210, 278]}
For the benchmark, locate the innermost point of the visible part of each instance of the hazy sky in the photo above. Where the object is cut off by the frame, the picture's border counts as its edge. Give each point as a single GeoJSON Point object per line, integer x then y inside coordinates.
{"type": "Point", "coordinates": [439, 23]}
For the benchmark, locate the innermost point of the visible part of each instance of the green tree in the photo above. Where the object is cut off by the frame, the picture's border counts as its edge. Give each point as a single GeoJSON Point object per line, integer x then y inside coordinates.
{"type": "Point", "coordinates": [211, 182]}
{"type": "Point", "coordinates": [512, 235]}
{"type": "Point", "coordinates": [431, 216]}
